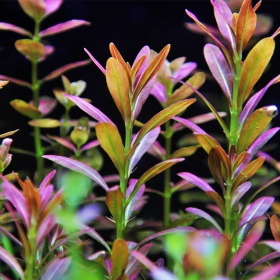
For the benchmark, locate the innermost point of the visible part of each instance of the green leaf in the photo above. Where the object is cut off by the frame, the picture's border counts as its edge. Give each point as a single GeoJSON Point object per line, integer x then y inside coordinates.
{"type": "Point", "coordinates": [114, 200]}
{"type": "Point", "coordinates": [25, 109]}
{"type": "Point", "coordinates": [110, 140]}
{"type": "Point", "coordinates": [254, 66]}
{"type": "Point", "coordinates": [254, 126]}
{"type": "Point", "coordinates": [120, 255]}
{"type": "Point", "coordinates": [45, 123]}
{"type": "Point", "coordinates": [163, 116]}
{"type": "Point", "coordinates": [30, 49]}
{"type": "Point", "coordinates": [118, 84]}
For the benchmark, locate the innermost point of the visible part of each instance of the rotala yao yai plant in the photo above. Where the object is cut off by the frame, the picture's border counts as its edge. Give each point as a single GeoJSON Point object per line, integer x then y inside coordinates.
{"type": "Point", "coordinates": [77, 220]}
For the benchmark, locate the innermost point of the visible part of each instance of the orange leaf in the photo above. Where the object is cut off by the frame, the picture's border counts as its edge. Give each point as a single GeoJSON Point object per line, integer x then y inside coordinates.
{"type": "Point", "coordinates": [45, 123]}
{"type": "Point", "coordinates": [30, 49]}
{"type": "Point", "coordinates": [206, 141]}
{"type": "Point", "coordinates": [275, 227]}
{"type": "Point", "coordinates": [25, 109]}
{"type": "Point", "coordinates": [114, 202]}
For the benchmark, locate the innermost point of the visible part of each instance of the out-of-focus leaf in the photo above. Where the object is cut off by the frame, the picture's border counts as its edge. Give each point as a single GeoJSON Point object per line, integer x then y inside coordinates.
{"type": "Point", "coordinates": [89, 109]}
{"type": "Point", "coordinates": [184, 91]}
{"type": "Point", "coordinates": [64, 142]}
{"type": "Point", "coordinates": [56, 269]}
{"type": "Point", "coordinates": [15, 81]}
{"type": "Point", "coordinates": [204, 215]}
{"type": "Point", "coordinates": [246, 24]}
{"type": "Point", "coordinates": [36, 9]}
{"type": "Point", "coordinates": [11, 27]}
{"type": "Point", "coordinates": [25, 109]}
{"type": "Point", "coordinates": [275, 227]}
{"type": "Point", "coordinates": [119, 258]}
{"type": "Point", "coordinates": [163, 116]}
{"type": "Point", "coordinates": [11, 261]}
{"type": "Point", "coordinates": [145, 143]}
{"type": "Point", "coordinates": [45, 123]}
{"type": "Point", "coordinates": [269, 273]}
{"type": "Point", "coordinates": [110, 140]}
{"type": "Point", "coordinates": [118, 84]}
{"type": "Point", "coordinates": [58, 72]}
{"type": "Point", "coordinates": [184, 70]}
{"type": "Point", "coordinates": [254, 125]}
{"type": "Point", "coordinates": [184, 152]}
{"type": "Point", "coordinates": [150, 71]}
{"type": "Point", "coordinates": [253, 67]}
{"type": "Point", "coordinates": [247, 172]}
{"type": "Point", "coordinates": [206, 141]}
{"type": "Point", "coordinates": [219, 69]}
{"type": "Point", "coordinates": [79, 167]}
{"type": "Point", "coordinates": [62, 27]}
{"type": "Point", "coordinates": [114, 202]}
{"type": "Point", "coordinates": [4, 135]}
{"type": "Point", "coordinates": [52, 6]}
{"type": "Point", "coordinates": [30, 49]}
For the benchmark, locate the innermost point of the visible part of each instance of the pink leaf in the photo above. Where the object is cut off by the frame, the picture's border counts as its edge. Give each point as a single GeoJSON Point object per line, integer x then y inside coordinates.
{"type": "Point", "coordinates": [10, 27]}
{"type": "Point", "coordinates": [56, 269]}
{"type": "Point", "coordinates": [52, 6]}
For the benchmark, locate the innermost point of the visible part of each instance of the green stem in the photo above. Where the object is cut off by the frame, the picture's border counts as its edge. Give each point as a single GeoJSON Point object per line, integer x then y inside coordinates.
{"type": "Point", "coordinates": [30, 271]}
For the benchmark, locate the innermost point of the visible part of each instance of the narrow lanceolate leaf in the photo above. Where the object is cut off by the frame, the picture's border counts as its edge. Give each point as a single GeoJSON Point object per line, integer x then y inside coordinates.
{"type": "Point", "coordinates": [11, 27]}
{"type": "Point", "coordinates": [219, 68]}
{"type": "Point", "coordinates": [118, 84]}
{"type": "Point", "coordinates": [255, 125]}
{"type": "Point", "coordinates": [246, 25]}
{"type": "Point", "coordinates": [184, 152]}
{"type": "Point", "coordinates": [206, 141]}
{"type": "Point", "coordinates": [163, 116]}
{"type": "Point", "coordinates": [204, 215]}
{"type": "Point", "coordinates": [275, 227]}
{"type": "Point", "coordinates": [150, 71]}
{"type": "Point", "coordinates": [119, 258]}
{"type": "Point", "coordinates": [184, 91]}
{"type": "Point", "coordinates": [248, 172]}
{"type": "Point", "coordinates": [254, 66]}
{"type": "Point", "coordinates": [79, 167]}
{"type": "Point", "coordinates": [110, 140]}
{"type": "Point", "coordinates": [152, 172]}
{"type": "Point", "coordinates": [200, 183]}
{"type": "Point", "coordinates": [145, 143]}
{"type": "Point", "coordinates": [11, 262]}
{"type": "Point", "coordinates": [239, 192]}
{"type": "Point", "coordinates": [89, 109]}
{"type": "Point", "coordinates": [114, 202]}
{"type": "Point", "coordinates": [56, 270]}
{"type": "Point", "coordinates": [15, 81]}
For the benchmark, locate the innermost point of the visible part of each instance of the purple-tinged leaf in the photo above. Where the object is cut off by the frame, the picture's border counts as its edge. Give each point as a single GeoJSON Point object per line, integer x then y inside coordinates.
{"type": "Point", "coordinates": [45, 227]}
{"type": "Point", "coordinates": [96, 255]}
{"type": "Point", "coordinates": [157, 273]}
{"type": "Point", "coordinates": [135, 200]}
{"type": "Point", "coordinates": [269, 273]}
{"type": "Point", "coordinates": [45, 194]}
{"type": "Point", "coordinates": [204, 215]}
{"type": "Point", "coordinates": [79, 167]}
{"type": "Point", "coordinates": [11, 262]}
{"type": "Point", "coordinates": [15, 81]}
{"type": "Point", "coordinates": [157, 150]}
{"type": "Point", "coordinates": [145, 51]}
{"type": "Point", "coordinates": [64, 26]}
{"type": "Point", "coordinates": [159, 92]}
{"type": "Point", "coordinates": [52, 6]}
{"type": "Point", "coordinates": [274, 244]}
{"type": "Point", "coordinates": [56, 269]}
{"type": "Point", "coordinates": [262, 140]}
{"type": "Point", "coordinates": [239, 192]}
{"type": "Point", "coordinates": [64, 142]}
{"type": "Point", "coordinates": [241, 162]}
{"type": "Point", "coordinates": [10, 236]}
{"type": "Point", "coordinates": [223, 17]}
{"type": "Point", "coordinates": [17, 199]}
{"type": "Point", "coordinates": [10, 27]}
{"type": "Point", "coordinates": [90, 145]}
{"type": "Point", "coordinates": [219, 69]}
{"type": "Point", "coordinates": [254, 101]}
{"type": "Point", "coordinates": [36, 9]}
{"type": "Point", "coordinates": [248, 244]}
{"type": "Point", "coordinates": [200, 183]}
{"type": "Point", "coordinates": [145, 143]}
{"type": "Point", "coordinates": [89, 109]}
{"type": "Point", "coordinates": [190, 125]}
{"type": "Point", "coordinates": [58, 72]}
{"type": "Point", "coordinates": [96, 62]}
{"type": "Point", "coordinates": [185, 70]}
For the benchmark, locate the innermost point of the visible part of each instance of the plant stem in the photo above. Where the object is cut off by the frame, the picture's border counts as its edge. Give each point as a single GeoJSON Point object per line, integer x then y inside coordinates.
{"type": "Point", "coordinates": [30, 272]}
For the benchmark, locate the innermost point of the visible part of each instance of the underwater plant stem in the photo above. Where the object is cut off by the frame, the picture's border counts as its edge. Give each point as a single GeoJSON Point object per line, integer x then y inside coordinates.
{"type": "Point", "coordinates": [30, 271]}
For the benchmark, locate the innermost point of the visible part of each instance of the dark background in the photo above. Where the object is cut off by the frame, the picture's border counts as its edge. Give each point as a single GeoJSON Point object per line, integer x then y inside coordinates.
{"type": "Point", "coordinates": [129, 25]}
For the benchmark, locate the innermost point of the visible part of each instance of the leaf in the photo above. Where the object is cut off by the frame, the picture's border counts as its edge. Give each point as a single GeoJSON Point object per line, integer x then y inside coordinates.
{"type": "Point", "coordinates": [254, 125]}
{"type": "Point", "coordinates": [225, 162]}
{"type": "Point", "coordinates": [15, 81]}
{"type": "Point", "coordinates": [4, 135]}
{"type": "Point", "coordinates": [275, 227]}
{"type": "Point", "coordinates": [118, 84]}
{"type": "Point", "coordinates": [36, 9]}
{"type": "Point", "coordinates": [145, 143]}
{"type": "Point", "coordinates": [119, 258]}
{"type": "Point", "coordinates": [163, 116]}
{"type": "Point", "coordinates": [184, 152]}
{"type": "Point", "coordinates": [110, 140]}
{"type": "Point", "coordinates": [95, 62]}
{"type": "Point", "coordinates": [219, 68]}
{"type": "Point", "coordinates": [196, 81]}
{"type": "Point", "coordinates": [246, 25]}
{"type": "Point", "coordinates": [247, 172]}
{"type": "Point", "coordinates": [114, 202]}
{"type": "Point", "coordinates": [56, 269]}
{"type": "Point", "coordinates": [45, 123]}
{"type": "Point", "coordinates": [11, 27]}
{"type": "Point", "coordinates": [89, 109]}
{"type": "Point", "coordinates": [150, 72]}
{"type": "Point", "coordinates": [25, 109]}
{"type": "Point", "coordinates": [152, 172]}
{"type": "Point", "coordinates": [204, 215]}
{"type": "Point", "coordinates": [64, 142]}
{"type": "Point", "coordinates": [79, 167]}
{"type": "Point", "coordinates": [30, 49]}
{"type": "Point", "coordinates": [239, 192]}
{"type": "Point", "coordinates": [206, 141]}
{"type": "Point", "coordinates": [62, 27]}
{"type": "Point", "coordinates": [254, 66]}
{"type": "Point", "coordinates": [58, 72]}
